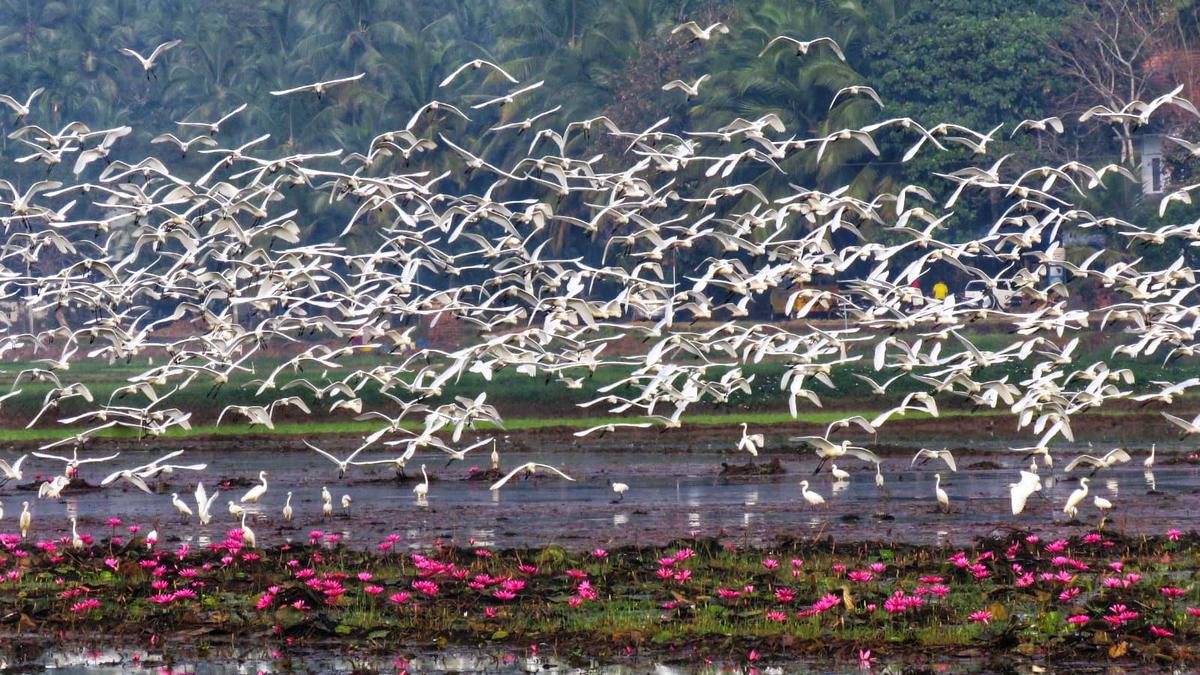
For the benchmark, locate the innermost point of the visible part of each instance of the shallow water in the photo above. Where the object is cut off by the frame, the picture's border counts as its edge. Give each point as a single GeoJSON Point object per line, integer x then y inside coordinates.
{"type": "Point", "coordinates": [96, 660]}
{"type": "Point", "coordinates": [671, 494]}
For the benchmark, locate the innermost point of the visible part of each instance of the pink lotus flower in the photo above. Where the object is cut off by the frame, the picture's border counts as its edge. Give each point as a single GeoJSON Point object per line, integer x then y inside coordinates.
{"type": "Point", "coordinates": [1161, 632]}
{"type": "Point", "coordinates": [426, 587]}
{"type": "Point", "coordinates": [770, 563]}
{"type": "Point", "coordinates": [1194, 611]}
{"type": "Point", "coordinates": [860, 576]}
{"type": "Point", "coordinates": [1174, 534]}
{"type": "Point", "coordinates": [373, 590]}
{"type": "Point", "coordinates": [878, 567]}
{"type": "Point", "coordinates": [85, 605]}
{"type": "Point", "coordinates": [982, 616]}
{"type": "Point", "coordinates": [1078, 619]}
{"type": "Point", "coordinates": [785, 594]}
{"type": "Point", "coordinates": [1069, 594]}
{"type": "Point", "coordinates": [777, 616]}
{"type": "Point", "coordinates": [1120, 615]}
{"type": "Point", "coordinates": [599, 553]}
{"type": "Point", "coordinates": [1172, 592]}
{"type": "Point", "coordinates": [399, 598]}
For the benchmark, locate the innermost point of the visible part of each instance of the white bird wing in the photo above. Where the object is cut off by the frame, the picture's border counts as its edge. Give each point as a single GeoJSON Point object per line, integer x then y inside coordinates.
{"type": "Point", "coordinates": [1083, 459]}
{"type": "Point", "coordinates": [1187, 426]}
{"type": "Point", "coordinates": [1116, 456]}
{"type": "Point", "coordinates": [528, 465]}
{"type": "Point", "coordinates": [138, 483]}
{"type": "Point", "coordinates": [863, 454]}
{"type": "Point", "coordinates": [821, 444]}
{"type": "Point", "coordinates": [326, 455]}
{"type": "Point", "coordinates": [171, 44]}
{"type": "Point", "coordinates": [98, 459]}
{"type": "Point", "coordinates": [948, 458]}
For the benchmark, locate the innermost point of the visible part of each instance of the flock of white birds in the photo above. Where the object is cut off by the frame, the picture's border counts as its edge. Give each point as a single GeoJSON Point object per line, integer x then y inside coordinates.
{"type": "Point", "coordinates": [115, 253]}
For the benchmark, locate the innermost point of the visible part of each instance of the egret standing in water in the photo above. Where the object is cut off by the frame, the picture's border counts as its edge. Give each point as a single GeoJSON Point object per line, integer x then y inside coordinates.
{"type": "Point", "coordinates": [287, 507]}
{"type": "Point", "coordinates": [248, 537]}
{"type": "Point", "coordinates": [620, 489]}
{"type": "Point", "coordinates": [1077, 497]}
{"type": "Point", "coordinates": [421, 490]}
{"type": "Point", "coordinates": [942, 498]}
{"type": "Point", "coordinates": [182, 508]}
{"type": "Point", "coordinates": [810, 496]}
{"type": "Point", "coordinates": [255, 493]}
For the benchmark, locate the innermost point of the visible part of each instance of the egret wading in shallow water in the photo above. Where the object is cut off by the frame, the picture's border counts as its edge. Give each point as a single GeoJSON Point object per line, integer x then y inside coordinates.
{"type": "Point", "coordinates": [256, 493]}
{"type": "Point", "coordinates": [76, 540]}
{"type": "Point", "coordinates": [287, 507]}
{"type": "Point", "coordinates": [620, 489]}
{"type": "Point", "coordinates": [421, 490]}
{"type": "Point", "coordinates": [810, 496]}
{"type": "Point", "coordinates": [943, 499]}
{"type": "Point", "coordinates": [248, 537]}
{"type": "Point", "coordinates": [1072, 506]}
{"type": "Point", "coordinates": [26, 520]}
{"type": "Point", "coordinates": [182, 508]}
{"type": "Point", "coordinates": [838, 474]}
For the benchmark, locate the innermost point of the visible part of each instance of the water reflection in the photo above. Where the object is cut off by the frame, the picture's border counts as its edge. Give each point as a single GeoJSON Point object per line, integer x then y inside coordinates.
{"type": "Point", "coordinates": [498, 661]}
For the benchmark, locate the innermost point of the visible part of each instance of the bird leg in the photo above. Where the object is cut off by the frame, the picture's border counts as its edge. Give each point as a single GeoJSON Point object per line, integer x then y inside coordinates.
{"type": "Point", "coordinates": [819, 465]}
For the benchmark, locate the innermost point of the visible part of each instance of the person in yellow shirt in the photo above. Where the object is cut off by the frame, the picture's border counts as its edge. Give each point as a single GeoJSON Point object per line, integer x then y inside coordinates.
{"type": "Point", "coordinates": [940, 290]}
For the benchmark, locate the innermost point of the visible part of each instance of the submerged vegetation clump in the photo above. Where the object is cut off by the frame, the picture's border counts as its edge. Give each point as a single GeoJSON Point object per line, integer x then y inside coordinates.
{"type": "Point", "coordinates": [1099, 595]}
